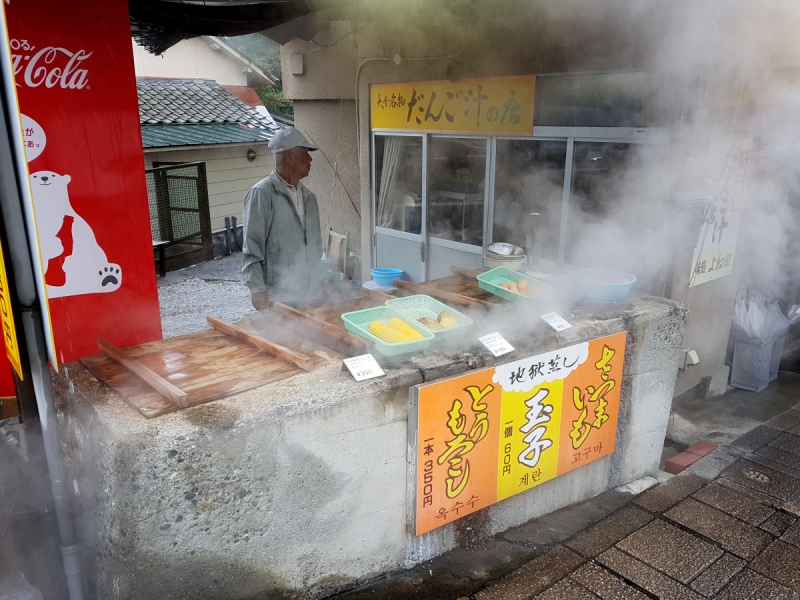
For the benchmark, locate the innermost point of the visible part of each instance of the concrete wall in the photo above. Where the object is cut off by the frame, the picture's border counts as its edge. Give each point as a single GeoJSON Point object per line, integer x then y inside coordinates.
{"type": "Point", "coordinates": [330, 124]}
{"type": "Point", "coordinates": [301, 488]}
{"type": "Point", "coordinates": [190, 59]}
{"type": "Point", "coordinates": [230, 175]}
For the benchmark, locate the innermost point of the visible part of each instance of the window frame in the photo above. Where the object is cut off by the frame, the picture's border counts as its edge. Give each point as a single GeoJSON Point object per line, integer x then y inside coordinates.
{"type": "Point", "coordinates": [632, 135]}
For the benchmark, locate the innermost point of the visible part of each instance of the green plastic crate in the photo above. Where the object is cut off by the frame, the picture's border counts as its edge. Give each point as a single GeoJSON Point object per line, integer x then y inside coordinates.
{"type": "Point", "coordinates": [358, 321]}
{"type": "Point", "coordinates": [416, 307]}
{"type": "Point", "coordinates": [490, 281]}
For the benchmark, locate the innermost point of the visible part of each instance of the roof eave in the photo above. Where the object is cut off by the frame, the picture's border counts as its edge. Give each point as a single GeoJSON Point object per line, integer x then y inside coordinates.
{"type": "Point", "coordinates": [240, 58]}
{"type": "Point", "coordinates": [147, 149]}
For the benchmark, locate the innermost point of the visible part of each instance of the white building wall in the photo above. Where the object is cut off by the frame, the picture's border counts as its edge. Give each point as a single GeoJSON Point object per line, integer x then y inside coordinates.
{"type": "Point", "coordinates": [230, 175]}
{"type": "Point", "coordinates": [189, 59]}
{"type": "Point", "coordinates": [331, 125]}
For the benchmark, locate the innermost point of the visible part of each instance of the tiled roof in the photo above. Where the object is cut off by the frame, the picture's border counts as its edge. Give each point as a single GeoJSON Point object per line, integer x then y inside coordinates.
{"type": "Point", "coordinates": [181, 112]}
{"type": "Point", "coordinates": [160, 136]}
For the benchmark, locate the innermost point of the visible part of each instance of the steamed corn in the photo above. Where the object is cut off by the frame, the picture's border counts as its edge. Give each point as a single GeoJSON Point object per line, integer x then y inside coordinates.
{"type": "Point", "coordinates": [393, 335]}
{"type": "Point", "coordinates": [405, 328]}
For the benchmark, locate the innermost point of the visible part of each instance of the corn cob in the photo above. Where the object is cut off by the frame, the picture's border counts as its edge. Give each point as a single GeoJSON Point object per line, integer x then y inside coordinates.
{"type": "Point", "coordinates": [405, 328]}
{"type": "Point", "coordinates": [389, 334]}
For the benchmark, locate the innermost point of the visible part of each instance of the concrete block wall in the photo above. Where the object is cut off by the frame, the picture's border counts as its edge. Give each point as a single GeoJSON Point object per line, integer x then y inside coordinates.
{"type": "Point", "coordinates": [301, 488]}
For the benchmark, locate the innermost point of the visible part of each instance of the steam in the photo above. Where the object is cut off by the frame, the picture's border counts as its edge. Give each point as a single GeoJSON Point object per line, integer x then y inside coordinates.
{"type": "Point", "coordinates": [714, 70]}
{"type": "Point", "coordinates": [714, 67]}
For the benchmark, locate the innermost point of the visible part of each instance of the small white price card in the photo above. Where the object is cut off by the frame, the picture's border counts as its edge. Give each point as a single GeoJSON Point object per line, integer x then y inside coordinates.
{"type": "Point", "coordinates": [556, 321]}
{"type": "Point", "coordinates": [496, 344]}
{"type": "Point", "coordinates": [363, 367]}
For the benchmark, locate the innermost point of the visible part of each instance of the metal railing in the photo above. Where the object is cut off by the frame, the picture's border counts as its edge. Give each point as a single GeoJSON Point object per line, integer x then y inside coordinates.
{"type": "Point", "coordinates": [178, 199]}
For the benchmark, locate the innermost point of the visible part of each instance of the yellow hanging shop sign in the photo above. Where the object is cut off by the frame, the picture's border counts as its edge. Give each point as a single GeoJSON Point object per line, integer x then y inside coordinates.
{"type": "Point", "coordinates": [7, 320]}
{"type": "Point", "coordinates": [486, 106]}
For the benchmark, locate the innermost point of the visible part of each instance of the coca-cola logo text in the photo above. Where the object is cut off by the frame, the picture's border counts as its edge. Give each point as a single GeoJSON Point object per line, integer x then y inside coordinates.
{"type": "Point", "coordinates": [51, 66]}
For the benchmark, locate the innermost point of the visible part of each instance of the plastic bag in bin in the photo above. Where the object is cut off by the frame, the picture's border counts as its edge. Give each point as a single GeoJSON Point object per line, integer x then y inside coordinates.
{"type": "Point", "coordinates": [758, 316]}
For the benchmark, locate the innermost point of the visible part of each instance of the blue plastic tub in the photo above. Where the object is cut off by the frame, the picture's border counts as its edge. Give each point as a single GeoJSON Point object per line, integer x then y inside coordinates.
{"type": "Point", "coordinates": [385, 277]}
{"type": "Point", "coordinates": [605, 286]}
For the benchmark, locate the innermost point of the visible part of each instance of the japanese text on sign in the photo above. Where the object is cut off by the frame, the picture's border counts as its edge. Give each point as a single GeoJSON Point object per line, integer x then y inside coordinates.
{"type": "Point", "coordinates": [488, 435]}
{"type": "Point", "coordinates": [496, 344]}
{"type": "Point", "coordinates": [7, 320]}
{"type": "Point", "coordinates": [719, 230]}
{"type": "Point", "coordinates": [363, 367]}
{"type": "Point", "coordinates": [503, 105]}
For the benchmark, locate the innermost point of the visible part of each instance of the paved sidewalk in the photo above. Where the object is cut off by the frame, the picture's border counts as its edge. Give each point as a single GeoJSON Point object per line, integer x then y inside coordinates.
{"type": "Point", "coordinates": [726, 528]}
{"type": "Point", "coordinates": [215, 287]}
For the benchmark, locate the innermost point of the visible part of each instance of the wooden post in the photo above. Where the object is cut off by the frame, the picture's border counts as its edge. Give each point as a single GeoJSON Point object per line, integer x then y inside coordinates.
{"type": "Point", "coordinates": [338, 334]}
{"type": "Point", "coordinates": [440, 294]}
{"type": "Point", "coordinates": [153, 379]}
{"type": "Point", "coordinates": [304, 362]}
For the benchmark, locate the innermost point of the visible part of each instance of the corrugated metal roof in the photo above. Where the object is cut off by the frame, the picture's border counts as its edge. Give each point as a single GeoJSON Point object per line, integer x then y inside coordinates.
{"type": "Point", "coordinates": [191, 112]}
{"type": "Point", "coordinates": [161, 136]}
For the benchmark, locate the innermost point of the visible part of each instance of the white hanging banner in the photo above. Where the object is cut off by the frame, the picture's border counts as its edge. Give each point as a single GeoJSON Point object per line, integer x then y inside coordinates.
{"type": "Point", "coordinates": [729, 161]}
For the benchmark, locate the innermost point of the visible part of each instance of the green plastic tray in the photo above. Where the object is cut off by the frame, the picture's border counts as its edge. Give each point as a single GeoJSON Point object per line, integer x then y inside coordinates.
{"type": "Point", "coordinates": [416, 307]}
{"type": "Point", "coordinates": [358, 321]}
{"type": "Point", "coordinates": [490, 280]}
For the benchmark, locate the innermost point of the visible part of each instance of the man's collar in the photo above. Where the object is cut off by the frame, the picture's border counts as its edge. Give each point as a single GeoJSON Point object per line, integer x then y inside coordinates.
{"type": "Point", "coordinates": [286, 183]}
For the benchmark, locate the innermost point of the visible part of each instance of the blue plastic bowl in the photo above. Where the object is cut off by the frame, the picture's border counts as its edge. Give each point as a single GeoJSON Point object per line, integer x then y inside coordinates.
{"type": "Point", "coordinates": [386, 277]}
{"type": "Point", "coordinates": [604, 286]}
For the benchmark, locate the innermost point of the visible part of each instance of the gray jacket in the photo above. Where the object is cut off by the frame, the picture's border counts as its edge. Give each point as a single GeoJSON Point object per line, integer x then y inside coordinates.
{"type": "Point", "coordinates": [280, 255]}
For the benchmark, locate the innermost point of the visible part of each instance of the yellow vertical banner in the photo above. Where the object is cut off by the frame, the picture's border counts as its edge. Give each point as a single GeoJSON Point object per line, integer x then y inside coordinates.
{"type": "Point", "coordinates": [529, 432]}
{"type": "Point", "coordinates": [7, 318]}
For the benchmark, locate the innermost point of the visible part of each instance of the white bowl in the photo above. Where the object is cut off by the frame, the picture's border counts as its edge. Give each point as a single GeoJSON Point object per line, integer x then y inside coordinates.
{"type": "Point", "coordinates": [514, 264]}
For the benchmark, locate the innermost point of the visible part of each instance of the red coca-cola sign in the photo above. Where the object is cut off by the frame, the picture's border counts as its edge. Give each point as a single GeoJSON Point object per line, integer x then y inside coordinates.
{"type": "Point", "coordinates": [49, 66]}
{"type": "Point", "coordinates": [73, 66]}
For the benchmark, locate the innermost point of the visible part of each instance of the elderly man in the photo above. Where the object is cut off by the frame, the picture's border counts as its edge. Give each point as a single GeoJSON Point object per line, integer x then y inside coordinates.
{"type": "Point", "coordinates": [282, 242]}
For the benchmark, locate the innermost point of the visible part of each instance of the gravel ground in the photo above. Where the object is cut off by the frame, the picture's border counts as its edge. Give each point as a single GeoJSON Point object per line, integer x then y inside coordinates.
{"type": "Point", "coordinates": [215, 288]}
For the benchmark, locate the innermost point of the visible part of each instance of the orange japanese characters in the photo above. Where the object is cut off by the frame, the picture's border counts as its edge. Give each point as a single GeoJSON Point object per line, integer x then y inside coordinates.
{"type": "Point", "coordinates": [488, 435]}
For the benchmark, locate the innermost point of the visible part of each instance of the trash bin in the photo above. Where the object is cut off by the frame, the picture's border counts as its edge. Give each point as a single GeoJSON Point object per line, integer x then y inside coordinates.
{"type": "Point", "coordinates": [777, 353]}
{"type": "Point", "coordinates": [759, 331]}
{"type": "Point", "coordinates": [754, 360]}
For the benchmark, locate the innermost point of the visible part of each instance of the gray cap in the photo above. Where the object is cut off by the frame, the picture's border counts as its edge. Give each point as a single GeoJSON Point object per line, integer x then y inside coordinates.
{"type": "Point", "coordinates": [288, 138]}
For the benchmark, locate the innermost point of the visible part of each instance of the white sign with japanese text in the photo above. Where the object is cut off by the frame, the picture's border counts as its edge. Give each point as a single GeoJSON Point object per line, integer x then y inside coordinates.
{"type": "Point", "coordinates": [728, 166]}
{"type": "Point", "coordinates": [556, 321]}
{"type": "Point", "coordinates": [496, 344]}
{"type": "Point", "coordinates": [524, 375]}
{"type": "Point", "coordinates": [363, 367]}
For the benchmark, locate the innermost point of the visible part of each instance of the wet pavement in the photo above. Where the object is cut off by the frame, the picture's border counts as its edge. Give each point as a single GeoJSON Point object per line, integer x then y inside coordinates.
{"type": "Point", "coordinates": [215, 287]}
{"type": "Point", "coordinates": [726, 528]}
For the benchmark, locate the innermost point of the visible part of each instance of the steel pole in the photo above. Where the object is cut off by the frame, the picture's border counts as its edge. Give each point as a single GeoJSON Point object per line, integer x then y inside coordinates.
{"type": "Point", "coordinates": [29, 301]}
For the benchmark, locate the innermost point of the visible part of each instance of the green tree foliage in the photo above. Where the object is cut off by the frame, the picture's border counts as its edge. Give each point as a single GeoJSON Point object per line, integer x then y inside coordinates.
{"type": "Point", "coordinates": [266, 55]}
{"type": "Point", "coordinates": [259, 50]}
{"type": "Point", "coordinates": [275, 102]}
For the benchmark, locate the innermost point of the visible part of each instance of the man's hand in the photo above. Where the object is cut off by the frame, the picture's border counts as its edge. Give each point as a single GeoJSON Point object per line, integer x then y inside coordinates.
{"type": "Point", "coordinates": [261, 301]}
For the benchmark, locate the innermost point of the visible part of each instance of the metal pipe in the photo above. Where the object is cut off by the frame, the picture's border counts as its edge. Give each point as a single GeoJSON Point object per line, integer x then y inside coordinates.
{"type": "Point", "coordinates": [21, 237]}
{"type": "Point", "coordinates": [40, 377]}
{"type": "Point", "coordinates": [13, 124]}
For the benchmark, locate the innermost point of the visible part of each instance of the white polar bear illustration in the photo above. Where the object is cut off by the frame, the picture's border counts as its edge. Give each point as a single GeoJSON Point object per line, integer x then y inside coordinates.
{"type": "Point", "coordinates": [86, 267]}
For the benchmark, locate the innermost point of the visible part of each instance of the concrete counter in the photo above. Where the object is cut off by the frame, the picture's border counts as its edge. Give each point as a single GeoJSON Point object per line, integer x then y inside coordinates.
{"type": "Point", "coordinates": [300, 488]}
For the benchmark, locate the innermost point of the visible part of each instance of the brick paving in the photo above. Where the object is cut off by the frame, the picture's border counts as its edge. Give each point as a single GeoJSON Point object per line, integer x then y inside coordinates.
{"type": "Point", "coordinates": [727, 528]}
{"type": "Point", "coordinates": [734, 536]}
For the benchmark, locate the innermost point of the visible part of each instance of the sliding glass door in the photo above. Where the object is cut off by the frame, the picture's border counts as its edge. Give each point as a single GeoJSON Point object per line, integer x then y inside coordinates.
{"type": "Point", "coordinates": [398, 203]}
{"type": "Point", "coordinates": [456, 202]}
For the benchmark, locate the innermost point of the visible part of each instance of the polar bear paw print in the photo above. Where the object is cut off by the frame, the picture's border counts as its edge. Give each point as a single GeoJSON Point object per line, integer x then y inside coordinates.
{"type": "Point", "coordinates": [109, 276]}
